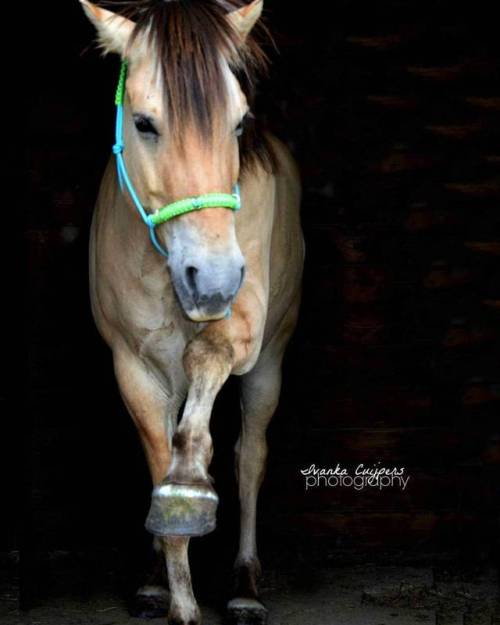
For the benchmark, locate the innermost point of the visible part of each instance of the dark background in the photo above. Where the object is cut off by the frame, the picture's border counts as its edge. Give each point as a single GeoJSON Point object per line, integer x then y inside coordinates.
{"type": "Point", "coordinates": [392, 110]}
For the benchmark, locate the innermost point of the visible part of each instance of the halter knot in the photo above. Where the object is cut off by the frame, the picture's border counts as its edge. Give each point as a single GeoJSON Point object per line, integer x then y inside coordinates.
{"type": "Point", "coordinates": [118, 148]}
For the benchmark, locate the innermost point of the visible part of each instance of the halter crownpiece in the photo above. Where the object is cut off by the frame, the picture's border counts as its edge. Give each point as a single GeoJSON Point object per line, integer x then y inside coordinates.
{"type": "Point", "coordinates": [231, 201]}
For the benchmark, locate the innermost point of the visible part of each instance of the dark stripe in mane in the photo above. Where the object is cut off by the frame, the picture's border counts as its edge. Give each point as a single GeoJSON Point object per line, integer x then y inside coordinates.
{"type": "Point", "coordinates": [189, 37]}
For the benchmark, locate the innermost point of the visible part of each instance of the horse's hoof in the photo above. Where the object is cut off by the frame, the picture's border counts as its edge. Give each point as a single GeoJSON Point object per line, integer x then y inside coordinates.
{"type": "Point", "coordinates": [182, 510]}
{"type": "Point", "coordinates": [150, 602]}
{"type": "Point", "coordinates": [243, 611]}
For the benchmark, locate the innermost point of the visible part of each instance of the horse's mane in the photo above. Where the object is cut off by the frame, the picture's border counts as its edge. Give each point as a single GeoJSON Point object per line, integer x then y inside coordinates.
{"type": "Point", "coordinates": [190, 37]}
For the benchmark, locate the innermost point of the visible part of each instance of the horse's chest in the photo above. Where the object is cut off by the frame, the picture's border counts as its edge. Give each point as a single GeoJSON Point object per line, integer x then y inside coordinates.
{"type": "Point", "coordinates": [160, 350]}
{"type": "Point", "coordinates": [164, 346]}
{"type": "Point", "coordinates": [153, 330]}
{"type": "Point", "coordinates": [155, 333]}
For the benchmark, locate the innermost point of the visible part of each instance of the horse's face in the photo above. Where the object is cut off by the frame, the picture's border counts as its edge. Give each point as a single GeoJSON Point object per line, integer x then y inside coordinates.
{"type": "Point", "coordinates": [172, 154]}
{"type": "Point", "coordinates": [205, 261]}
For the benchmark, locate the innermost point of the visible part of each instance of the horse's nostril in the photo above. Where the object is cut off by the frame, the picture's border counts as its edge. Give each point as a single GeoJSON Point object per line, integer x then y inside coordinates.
{"type": "Point", "coordinates": [214, 285]}
{"type": "Point", "coordinates": [191, 278]}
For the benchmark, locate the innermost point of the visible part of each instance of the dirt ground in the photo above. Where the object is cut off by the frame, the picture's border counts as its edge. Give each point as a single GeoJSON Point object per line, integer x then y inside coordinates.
{"type": "Point", "coordinates": [345, 595]}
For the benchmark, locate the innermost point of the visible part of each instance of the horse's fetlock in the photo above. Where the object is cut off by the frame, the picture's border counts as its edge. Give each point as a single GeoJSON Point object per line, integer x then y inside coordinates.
{"type": "Point", "coordinates": [178, 616]}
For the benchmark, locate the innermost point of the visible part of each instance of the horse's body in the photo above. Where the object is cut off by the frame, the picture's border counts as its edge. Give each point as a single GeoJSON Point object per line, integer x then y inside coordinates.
{"type": "Point", "coordinates": [162, 356]}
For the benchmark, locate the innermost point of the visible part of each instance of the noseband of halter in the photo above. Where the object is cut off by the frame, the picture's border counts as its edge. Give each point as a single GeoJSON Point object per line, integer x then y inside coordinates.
{"type": "Point", "coordinates": [169, 211]}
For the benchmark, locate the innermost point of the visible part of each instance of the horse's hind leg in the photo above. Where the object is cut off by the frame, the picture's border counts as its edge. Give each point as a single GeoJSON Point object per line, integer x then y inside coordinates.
{"type": "Point", "coordinates": [259, 398]}
{"type": "Point", "coordinates": [152, 598]}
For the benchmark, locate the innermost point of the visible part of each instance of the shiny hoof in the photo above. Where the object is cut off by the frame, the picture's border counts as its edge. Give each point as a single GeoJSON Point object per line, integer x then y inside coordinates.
{"type": "Point", "coordinates": [243, 611]}
{"type": "Point", "coordinates": [150, 602]}
{"type": "Point", "coordinates": [182, 510]}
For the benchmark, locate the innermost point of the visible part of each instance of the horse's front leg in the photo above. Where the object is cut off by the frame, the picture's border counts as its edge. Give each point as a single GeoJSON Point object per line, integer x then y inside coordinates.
{"type": "Point", "coordinates": [154, 412]}
{"type": "Point", "coordinates": [185, 503]}
{"type": "Point", "coordinates": [183, 608]}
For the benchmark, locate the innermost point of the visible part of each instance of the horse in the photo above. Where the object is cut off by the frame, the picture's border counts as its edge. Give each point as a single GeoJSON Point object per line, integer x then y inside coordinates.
{"type": "Point", "coordinates": [185, 289]}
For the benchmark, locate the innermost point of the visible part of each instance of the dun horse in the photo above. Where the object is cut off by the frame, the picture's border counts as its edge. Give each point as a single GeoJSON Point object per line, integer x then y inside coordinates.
{"type": "Point", "coordinates": [185, 289]}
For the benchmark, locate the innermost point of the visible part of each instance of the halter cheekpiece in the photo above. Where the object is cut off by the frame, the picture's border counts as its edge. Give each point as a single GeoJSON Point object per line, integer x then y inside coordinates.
{"type": "Point", "coordinates": [231, 201]}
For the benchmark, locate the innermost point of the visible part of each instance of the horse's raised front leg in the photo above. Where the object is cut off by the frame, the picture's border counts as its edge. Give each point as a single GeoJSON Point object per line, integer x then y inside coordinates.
{"type": "Point", "coordinates": [185, 503]}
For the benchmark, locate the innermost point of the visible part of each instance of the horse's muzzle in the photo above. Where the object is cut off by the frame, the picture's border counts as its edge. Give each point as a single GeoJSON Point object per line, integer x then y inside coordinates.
{"type": "Point", "coordinates": [207, 290]}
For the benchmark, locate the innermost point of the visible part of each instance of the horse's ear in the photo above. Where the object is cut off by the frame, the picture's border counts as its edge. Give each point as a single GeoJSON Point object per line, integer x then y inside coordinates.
{"type": "Point", "coordinates": [113, 30]}
{"type": "Point", "coordinates": [244, 19]}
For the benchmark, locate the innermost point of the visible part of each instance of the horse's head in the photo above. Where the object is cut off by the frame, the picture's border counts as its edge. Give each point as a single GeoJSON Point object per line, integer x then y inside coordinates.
{"type": "Point", "coordinates": [184, 112]}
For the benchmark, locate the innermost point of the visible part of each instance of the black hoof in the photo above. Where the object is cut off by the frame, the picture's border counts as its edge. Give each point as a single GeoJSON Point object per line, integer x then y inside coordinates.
{"type": "Point", "coordinates": [246, 612]}
{"type": "Point", "coordinates": [152, 603]}
{"type": "Point", "coordinates": [182, 510]}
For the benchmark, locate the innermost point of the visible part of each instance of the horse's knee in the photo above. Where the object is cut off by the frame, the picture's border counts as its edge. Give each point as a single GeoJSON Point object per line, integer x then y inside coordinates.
{"type": "Point", "coordinates": [208, 360]}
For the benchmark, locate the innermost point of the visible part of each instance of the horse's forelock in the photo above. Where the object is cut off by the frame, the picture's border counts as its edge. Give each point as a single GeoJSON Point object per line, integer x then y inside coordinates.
{"type": "Point", "coordinates": [192, 40]}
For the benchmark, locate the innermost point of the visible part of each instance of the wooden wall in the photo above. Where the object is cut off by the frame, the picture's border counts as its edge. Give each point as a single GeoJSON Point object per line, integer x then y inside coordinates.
{"type": "Point", "coordinates": [398, 357]}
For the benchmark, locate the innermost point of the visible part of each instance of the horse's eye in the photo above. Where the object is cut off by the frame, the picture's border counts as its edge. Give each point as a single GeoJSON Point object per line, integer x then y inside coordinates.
{"type": "Point", "coordinates": [144, 125]}
{"type": "Point", "coordinates": [241, 126]}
